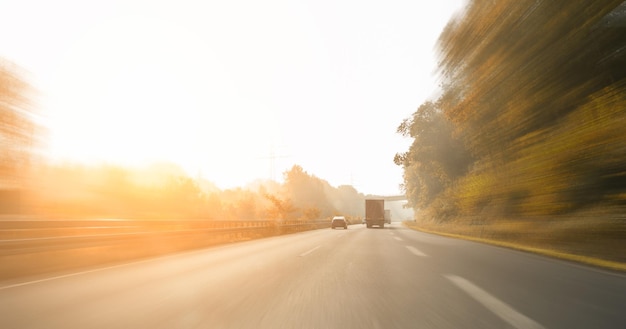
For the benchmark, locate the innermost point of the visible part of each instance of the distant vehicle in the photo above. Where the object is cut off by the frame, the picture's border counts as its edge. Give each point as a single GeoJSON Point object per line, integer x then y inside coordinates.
{"type": "Point", "coordinates": [387, 216]}
{"type": "Point", "coordinates": [339, 221]}
{"type": "Point", "coordinates": [375, 213]}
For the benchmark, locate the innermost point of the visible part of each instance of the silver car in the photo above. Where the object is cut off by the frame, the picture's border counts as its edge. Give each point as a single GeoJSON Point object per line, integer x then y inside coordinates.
{"type": "Point", "coordinates": [339, 221]}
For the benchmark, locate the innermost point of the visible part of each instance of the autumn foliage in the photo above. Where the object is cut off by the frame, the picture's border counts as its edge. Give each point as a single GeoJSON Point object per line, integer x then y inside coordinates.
{"type": "Point", "coordinates": [529, 123]}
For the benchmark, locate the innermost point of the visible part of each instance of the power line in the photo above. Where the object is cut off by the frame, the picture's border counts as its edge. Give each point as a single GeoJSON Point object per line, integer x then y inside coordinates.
{"type": "Point", "coordinates": [272, 157]}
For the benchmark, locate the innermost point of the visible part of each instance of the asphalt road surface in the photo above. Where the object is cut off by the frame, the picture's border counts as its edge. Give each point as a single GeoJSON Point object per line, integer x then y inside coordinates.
{"type": "Point", "coordinates": [355, 278]}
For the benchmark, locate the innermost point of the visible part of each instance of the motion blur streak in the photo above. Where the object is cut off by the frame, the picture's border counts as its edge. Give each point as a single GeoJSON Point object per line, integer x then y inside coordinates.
{"type": "Point", "coordinates": [526, 141]}
{"type": "Point", "coordinates": [358, 278]}
{"type": "Point", "coordinates": [17, 135]}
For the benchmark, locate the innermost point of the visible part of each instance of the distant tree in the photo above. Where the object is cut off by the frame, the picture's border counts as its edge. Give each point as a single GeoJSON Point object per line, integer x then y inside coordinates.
{"type": "Point", "coordinates": [213, 207]}
{"type": "Point", "coordinates": [182, 195]}
{"type": "Point", "coordinates": [347, 200]}
{"type": "Point", "coordinates": [435, 158]}
{"type": "Point", "coordinates": [307, 191]}
{"type": "Point", "coordinates": [246, 206]}
{"type": "Point", "coordinates": [311, 213]}
{"type": "Point", "coordinates": [280, 209]}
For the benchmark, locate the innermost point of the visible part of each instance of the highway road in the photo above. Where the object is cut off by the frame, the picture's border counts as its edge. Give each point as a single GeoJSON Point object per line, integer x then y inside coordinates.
{"type": "Point", "coordinates": [355, 278]}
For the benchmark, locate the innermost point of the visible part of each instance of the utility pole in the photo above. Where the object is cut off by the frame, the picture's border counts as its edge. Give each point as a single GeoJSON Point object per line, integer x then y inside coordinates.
{"type": "Point", "coordinates": [272, 157]}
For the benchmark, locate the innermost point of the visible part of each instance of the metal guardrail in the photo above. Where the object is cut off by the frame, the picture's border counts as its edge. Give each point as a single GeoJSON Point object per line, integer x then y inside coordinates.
{"type": "Point", "coordinates": [32, 247]}
{"type": "Point", "coordinates": [38, 235]}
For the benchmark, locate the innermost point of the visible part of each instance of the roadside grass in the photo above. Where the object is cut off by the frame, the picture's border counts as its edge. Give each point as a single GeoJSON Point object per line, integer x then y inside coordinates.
{"type": "Point", "coordinates": [598, 243]}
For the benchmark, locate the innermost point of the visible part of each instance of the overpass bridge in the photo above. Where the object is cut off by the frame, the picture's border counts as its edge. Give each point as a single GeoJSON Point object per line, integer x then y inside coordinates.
{"type": "Point", "coordinates": [401, 197]}
{"type": "Point", "coordinates": [397, 204]}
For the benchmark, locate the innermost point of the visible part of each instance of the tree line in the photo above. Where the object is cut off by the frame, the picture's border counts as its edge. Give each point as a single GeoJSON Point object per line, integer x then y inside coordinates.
{"type": "Point", "coordinates": [164, 191]}
{"type": "Point", "coordinates": [529, 121]}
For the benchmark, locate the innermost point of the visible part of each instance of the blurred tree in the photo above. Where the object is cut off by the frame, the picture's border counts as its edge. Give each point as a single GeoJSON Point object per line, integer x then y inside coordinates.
{"type": "Point", "coordinates": [517, 75]}
{"type": "Point", "coordinates": [518, 66]}
{"type": "Point", "coordinates": [17, 135]}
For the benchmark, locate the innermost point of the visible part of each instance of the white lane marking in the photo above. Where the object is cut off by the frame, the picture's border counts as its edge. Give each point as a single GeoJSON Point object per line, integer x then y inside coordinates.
{"type": "Point", "coordinates": [499, 308]}
{"type": "Point", "coordinates": [416, 252]}
{"type": "Point", "coordinates": [72, 274]}
{"type": "Point", "coordinates": [308, 252]}
{"type": "Point", "coordinates": [398, 238]}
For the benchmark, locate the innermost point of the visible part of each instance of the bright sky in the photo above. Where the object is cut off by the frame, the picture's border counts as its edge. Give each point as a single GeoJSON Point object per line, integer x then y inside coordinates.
{"type": "Point", "coordinates": [233, 90]}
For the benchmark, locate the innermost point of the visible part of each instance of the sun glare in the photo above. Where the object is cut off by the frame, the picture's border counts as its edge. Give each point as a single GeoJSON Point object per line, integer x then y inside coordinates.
{"type": "Point", "coordinates": [233, 92]}
{"type": "Point", "coordinates": [147, 91]}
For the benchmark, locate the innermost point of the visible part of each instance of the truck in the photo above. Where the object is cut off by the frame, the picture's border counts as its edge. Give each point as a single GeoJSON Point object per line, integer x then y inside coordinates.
{"type": "Point", "coordinates": [387, 216]}
{"type": "Point", "coordinates": [375, 213]}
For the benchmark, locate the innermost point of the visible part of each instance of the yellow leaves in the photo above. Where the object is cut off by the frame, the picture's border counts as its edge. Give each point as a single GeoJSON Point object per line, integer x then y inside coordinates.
{"type": "Point", "coordinates": [519, 66]}
{"type": "Point", "coordinates": [472, 190]}
{"type": "Point", "coordinates": [558, 170]}
{"type": "Point", "coordinates": [531, 89]}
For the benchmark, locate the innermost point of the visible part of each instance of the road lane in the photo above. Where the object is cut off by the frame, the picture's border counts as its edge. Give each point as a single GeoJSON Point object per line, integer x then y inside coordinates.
{"type": "Point", "coordinates": [358, 278]}
{"type": "Point", "coordinates": [558, 294]}
{"type": "Point", "coordinates": [416, 251]}
{"type": "Point", "coordinates": [501, 309]}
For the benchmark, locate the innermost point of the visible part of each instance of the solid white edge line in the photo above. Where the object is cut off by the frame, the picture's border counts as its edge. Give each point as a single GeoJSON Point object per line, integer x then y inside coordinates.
{"type": "Point", "coordinates": [498, 307]}
{"type": "Point", "coordinates": [70, 275]}
{"type": "Point", "coordinates": [416, 252]}
{"type": "Point", "coordinates": [96, 270]}
{"type": "Point", "coordinates": [308, 252]}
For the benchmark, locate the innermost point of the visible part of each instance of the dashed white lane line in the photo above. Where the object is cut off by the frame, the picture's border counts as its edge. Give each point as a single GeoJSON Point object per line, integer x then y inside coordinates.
{"type": "Point", "coordinates": [308, 252]}
{"type": "Point", "coordinates": [416, 251]}
{"type": "Point", "coordinates": [499, 308]}
{"type": "Point", "coordinates": [398, 238]}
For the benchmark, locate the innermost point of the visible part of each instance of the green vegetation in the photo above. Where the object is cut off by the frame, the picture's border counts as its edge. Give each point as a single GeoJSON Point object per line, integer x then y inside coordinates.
{"type": "Point", "coordinates": [528, 128]}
